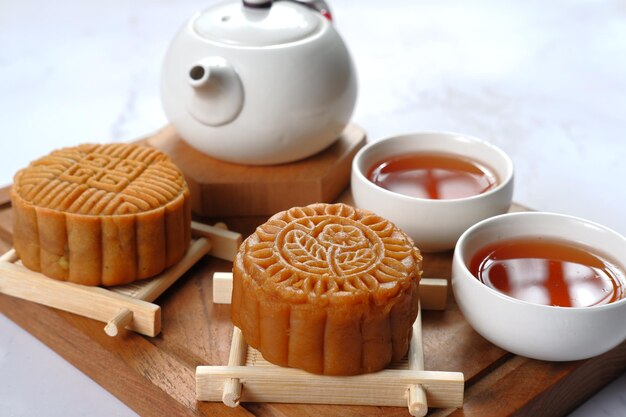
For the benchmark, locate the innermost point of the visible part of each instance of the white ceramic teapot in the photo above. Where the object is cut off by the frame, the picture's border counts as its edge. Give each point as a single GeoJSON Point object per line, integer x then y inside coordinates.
{"type": "Point", "coordinates": [259, 82]}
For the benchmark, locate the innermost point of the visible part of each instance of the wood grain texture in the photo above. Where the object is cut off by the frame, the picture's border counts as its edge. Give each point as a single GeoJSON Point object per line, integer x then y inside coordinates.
{"type": "Point", "coordinates": [287, 385]}
{"type": "Point", "coordinates": [120, 307]}
{"type": "Point", "coordinates": [156, 376]}
{"type": "Point", "coordinates": [5, 199]}
{"type": "Point", "coordinates": [93, 302]}
{"type": "Point", "coordinates": [223, 189]}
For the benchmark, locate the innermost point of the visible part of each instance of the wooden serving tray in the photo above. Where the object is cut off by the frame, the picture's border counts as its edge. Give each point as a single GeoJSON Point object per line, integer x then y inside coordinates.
{"type": "Point", "coordinates": [156, 376]}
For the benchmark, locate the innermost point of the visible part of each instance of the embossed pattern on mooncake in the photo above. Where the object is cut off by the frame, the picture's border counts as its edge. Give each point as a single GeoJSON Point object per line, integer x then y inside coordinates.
{"type": "Point", "coordinates": [330, 249]}
{"type": "Point", "coordinates": [101, 180]}
{"type": "Point", "coordinates": [327, 288]}
{"type": "Point", "coordinates": [101, 214]}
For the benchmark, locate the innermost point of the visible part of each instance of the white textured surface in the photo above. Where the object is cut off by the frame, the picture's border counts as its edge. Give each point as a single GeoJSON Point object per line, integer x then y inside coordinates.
{"type": "Point", "coordinates": [36, 381]}
{"type": "Point", "coordinates": [546, 81]}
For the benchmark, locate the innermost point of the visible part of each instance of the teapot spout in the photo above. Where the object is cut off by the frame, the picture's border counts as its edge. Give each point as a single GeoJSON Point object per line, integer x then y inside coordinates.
{"type": "Point", "coordinates": [199, 75]}
{"type": "Point", "coordinates": [212, 70]}
{"type": "Point", "coordinates": [218, 92]}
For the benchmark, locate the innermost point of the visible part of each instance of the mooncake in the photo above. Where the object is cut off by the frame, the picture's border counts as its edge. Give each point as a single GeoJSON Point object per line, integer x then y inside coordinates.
{"type": "Point", "coordinates": [327, 288]}
{"type": "Point", "coordinates": [101, 214]}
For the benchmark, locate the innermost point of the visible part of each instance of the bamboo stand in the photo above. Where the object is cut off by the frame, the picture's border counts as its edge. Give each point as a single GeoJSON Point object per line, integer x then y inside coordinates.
{"type": "Point", "coordinates": [127, 306]}
{"type": "Point", "coordinates": [249, 377]}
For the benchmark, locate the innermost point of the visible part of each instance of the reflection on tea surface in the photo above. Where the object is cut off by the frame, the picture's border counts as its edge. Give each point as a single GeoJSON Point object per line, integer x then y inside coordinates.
{"type": "Point", "coordinates": [549, 272]}
{"type": "Point", "coordinates": [432, 176]}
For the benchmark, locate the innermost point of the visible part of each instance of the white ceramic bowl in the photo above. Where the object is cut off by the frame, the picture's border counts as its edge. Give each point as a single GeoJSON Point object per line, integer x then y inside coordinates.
{"type": "Point", "coordinates": [534, 330]}
{"type": "Point", "coordinates": [434, 225]}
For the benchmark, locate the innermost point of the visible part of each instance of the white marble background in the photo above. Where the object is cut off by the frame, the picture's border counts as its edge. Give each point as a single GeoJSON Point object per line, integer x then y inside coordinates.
{"type": "Point", "coordinates": [546, 81]}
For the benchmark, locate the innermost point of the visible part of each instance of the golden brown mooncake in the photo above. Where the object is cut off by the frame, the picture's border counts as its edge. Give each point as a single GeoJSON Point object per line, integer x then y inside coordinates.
{"type": "Point", "coordinates": [327, 288]}
{"type": "Point", "coordinates": [101, 214]}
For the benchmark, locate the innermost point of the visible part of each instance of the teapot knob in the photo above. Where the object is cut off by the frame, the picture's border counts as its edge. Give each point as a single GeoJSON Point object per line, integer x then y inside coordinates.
{"type": "Point", "coordinates": [216, 96]}
{"type": "Point", "coordinates": [259, 4]}
{"type": "Point", "coordinates": [318, 5]}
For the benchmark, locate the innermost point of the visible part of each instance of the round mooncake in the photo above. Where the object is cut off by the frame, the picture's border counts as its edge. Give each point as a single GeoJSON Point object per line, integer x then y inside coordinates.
{"type": "Point", "coordinates": [327, 288]}
{"type": "Point", "coordinates": [101, 214]}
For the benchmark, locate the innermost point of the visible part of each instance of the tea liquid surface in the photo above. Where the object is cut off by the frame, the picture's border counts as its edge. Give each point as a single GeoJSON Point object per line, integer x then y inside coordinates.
{"type": "Point", "coordinates": [549, 272]}
{"type": "Point", "coordinates": [432, 176]}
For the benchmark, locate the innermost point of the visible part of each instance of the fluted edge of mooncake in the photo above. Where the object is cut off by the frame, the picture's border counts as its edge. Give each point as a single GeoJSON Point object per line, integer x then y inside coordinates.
{"type": "Point", "coordinates": [332, 340]}
{"type": "Point", "coordinates": [101, 250]}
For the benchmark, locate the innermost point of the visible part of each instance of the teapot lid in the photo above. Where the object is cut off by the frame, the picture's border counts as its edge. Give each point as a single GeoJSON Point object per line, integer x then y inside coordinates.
{"type": "Point", "coordinates": [235, 23]}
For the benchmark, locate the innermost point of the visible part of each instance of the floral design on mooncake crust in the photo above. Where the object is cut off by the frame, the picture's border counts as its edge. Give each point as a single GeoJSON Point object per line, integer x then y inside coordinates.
{"type": "Point", "coordinates": [327, 288]}
{"type": "Point", "coordinates": [330, 249]}
{"type": "Point", "coordinates": [101, 214]}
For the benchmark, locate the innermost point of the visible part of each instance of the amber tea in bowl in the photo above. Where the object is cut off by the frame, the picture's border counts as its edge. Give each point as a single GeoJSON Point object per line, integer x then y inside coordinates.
{"type": "Point", "coordinates": [436, 176]}
{"type": "Point", "coordinates": [542, 285]}
{"type": "Point", "coordinates": [549, 272]}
